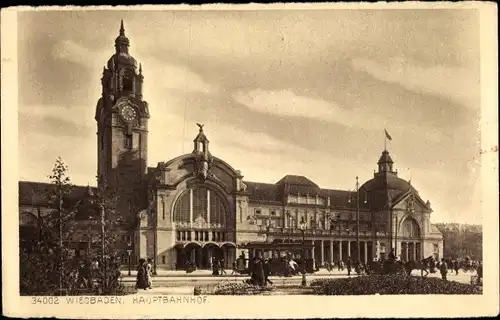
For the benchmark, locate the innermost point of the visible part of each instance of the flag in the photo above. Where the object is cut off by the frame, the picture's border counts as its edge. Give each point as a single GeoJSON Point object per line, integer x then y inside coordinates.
{"type": "Point", "coordinates": [387, 135]}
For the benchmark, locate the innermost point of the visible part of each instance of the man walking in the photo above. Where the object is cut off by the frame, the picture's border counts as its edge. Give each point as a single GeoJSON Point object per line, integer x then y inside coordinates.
{"type": "Point", "coordinates": [443, 268]}
{"type": "Point", "coordinates": [267, 272]}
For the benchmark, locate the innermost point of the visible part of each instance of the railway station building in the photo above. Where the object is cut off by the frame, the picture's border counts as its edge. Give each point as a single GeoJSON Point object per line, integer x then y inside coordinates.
{"type": "Point", "coordinates": [197, 206]}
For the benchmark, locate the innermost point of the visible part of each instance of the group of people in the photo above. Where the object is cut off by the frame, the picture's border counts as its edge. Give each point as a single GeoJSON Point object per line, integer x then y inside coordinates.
{"type": "Point", "coordinates": [359, 267]}
{"type": "Point", "coordinates": [259, 270]}
{"type": "Point", "coordinates": [444, 265]}
{"type": "Point", "coordinates": [90, 274]}
{"type": "Point", "coordinates": [218, 267]}
{"type": "Point", "coordinates": [144, 274]}
{"type": "Point", "coordinates": [87, 274]}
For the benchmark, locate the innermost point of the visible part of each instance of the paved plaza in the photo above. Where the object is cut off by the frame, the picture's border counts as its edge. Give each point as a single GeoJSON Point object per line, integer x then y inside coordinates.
{"type": "Point", "coordinates": [180, 283]}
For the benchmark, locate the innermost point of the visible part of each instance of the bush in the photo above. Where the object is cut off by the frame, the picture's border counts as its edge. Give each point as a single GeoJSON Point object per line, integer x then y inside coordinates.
{"type": "Point", "coordinates": [39, 275]}
{"type": "Point", "coordinates": [238, 288]}
{"type": "Point", "coordinates": [391, 284]}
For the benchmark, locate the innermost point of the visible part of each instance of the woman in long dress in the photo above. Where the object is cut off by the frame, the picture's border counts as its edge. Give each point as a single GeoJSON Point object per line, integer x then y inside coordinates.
{"type": "Point", "coordinates": [141, 282]}
{"type": "Point", "coordinates": [149, 272]}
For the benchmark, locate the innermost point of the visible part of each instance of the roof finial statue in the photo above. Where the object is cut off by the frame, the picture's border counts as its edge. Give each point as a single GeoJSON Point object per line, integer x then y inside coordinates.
{"type": "Point", "coordinates": [200, 126]}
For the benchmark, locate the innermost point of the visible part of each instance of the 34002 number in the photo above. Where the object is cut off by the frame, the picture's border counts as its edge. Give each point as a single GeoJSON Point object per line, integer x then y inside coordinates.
{"type": "Point", "coordinates": [44, 300]}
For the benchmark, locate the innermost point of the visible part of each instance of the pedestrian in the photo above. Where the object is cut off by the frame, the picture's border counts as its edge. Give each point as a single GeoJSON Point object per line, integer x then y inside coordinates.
{"type": "Point", "coordinates": [267, 272]}
{"type": "Point", "coordinates": [222, 266]}
{"type": "Point", "coordinates": [455, 266]}
{"type": "Point", "coordinates": [84, 275]}
{"type": "Point", "coordinates": [149, 272]}
{"type": "Point", "coordinates": [234, 270]}
{"type": "Point", "coordinates": [349, 266]}
{"type": "Point", "coordinates": [257, 267]}
{"type": "Point", "coordinates": [443, 268]}
{"type": "Point", "coordinates": [392, 255]}
{"type": "Point", "coordinates": [141, 281]}
{"type": "Point", "coordinates": [215, 267]}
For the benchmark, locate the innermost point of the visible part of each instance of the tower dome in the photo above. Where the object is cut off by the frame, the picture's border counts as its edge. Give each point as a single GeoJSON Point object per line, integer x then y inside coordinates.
{"type": "Point", "coordinates": [386, 177]}
{"type": "Point", "coordinates": [122, 39]}
{"type": "Point", "coordinates": [121, 56]}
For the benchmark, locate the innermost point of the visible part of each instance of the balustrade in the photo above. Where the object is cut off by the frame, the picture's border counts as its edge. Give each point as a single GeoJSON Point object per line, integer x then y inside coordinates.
{"type": "Point", "coordinates": [200, 235]}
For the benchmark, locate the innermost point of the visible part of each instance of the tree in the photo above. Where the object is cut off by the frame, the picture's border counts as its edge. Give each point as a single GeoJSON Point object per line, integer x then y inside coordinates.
{"type": "Point", "coordinates": [47, 265]}
{"type": "Point", "coordinates": [106, 227]}
{"type": "Point", "coordinates": [461, 240]}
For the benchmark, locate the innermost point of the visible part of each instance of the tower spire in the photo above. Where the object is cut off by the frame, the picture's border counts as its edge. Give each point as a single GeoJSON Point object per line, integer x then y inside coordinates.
{"type": "Point", "coordinates": [122, 29]}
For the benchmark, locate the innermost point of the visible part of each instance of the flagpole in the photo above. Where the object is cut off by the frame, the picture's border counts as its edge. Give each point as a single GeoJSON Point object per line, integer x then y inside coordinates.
{"type": "Point", "coordinates": [385, 141]}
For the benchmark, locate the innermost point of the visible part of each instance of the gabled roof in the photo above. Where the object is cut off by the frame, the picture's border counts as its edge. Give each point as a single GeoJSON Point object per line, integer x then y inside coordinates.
{"type": "Point", "coordinates": [35, 193]}
{"type": "Point", "coordinates": [297, 180]}
{"type": "Point", "coordinates": [267, 192]}
{"type": "Point", "coordinates": [262, 191]}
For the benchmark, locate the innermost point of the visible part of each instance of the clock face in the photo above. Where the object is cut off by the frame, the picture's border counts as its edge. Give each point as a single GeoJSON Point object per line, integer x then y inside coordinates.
{"type": "Point", "coordinates": [128, 113]}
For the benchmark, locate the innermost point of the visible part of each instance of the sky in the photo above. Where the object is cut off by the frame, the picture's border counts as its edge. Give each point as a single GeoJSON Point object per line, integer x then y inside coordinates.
{"type": "Point", "coordinates": [279, 92]}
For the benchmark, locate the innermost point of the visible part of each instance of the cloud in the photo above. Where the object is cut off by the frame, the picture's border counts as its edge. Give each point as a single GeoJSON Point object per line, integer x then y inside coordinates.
{"type": "Point", "coordinates": [165, 74]}
{"type": "Point", "coordinates": [459, 84]}
{"type": "Point", "coordinates": [287, 103]}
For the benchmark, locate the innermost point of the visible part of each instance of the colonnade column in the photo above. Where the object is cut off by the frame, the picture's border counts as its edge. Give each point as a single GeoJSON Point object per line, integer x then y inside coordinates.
{"type": "Point", "coordinates": [340, 250]}
{"type": "Point", "coordinates": [366, 252]}
{"type": "Point", "coordinates": [322, 246]}
{"type": "Point", "coordinates": [191, 205]}
{"type": "Point", "coordinates": [349, 248]}
{"type": "Point", "coordinates": [407, 251]}
{"type": "Point", "coordinates": [208, 207]}
{"type": "Point", "coordinates": [331, 252]}
{"type": "Point", "coordinates": [312, 256]}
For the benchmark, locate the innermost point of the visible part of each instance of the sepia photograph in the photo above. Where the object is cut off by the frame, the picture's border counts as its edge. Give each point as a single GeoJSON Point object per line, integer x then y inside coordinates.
{"type": "Point", "coordinates": [183, 154]}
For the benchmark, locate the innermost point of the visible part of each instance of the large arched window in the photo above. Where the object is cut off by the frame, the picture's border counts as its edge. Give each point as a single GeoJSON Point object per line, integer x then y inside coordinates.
{"type": "Point", "coordinates": [410, 228]}
{"type": "Point", "coordinates": [200, 204]}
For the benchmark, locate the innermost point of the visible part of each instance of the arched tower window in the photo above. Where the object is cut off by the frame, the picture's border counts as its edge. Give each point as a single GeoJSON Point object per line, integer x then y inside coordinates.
{"type": "Point", "coordinates": [206, 205]}
{"type": "Point", "coordinates": [410, 228]}
{"type": "Point", "coordinates": [128, 81]}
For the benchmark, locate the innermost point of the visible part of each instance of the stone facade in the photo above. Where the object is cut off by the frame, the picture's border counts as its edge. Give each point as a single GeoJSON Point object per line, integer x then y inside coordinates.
{"type": "Point", "coordinates": [197, 206]}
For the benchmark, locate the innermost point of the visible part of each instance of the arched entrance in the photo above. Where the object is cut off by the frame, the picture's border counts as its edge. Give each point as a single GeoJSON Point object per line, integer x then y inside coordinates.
{"type": "Point", "coordinates": [411, 246]}
{"type": "Point", "coordinates": [228, 251]}
{"type": "Point", "coordinates": [188, 252]}
{"type": "Point", "coordinates": [211, 253]}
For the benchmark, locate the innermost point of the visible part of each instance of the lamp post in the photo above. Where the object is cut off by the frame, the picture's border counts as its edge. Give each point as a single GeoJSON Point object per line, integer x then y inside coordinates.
{"type": "Point", "coordinates": [357, 190]}
{"type": "Point", "coordinates": [129, 252]}
{"type": "Point", "coordinates": [358, 253]}
{"type": "Point", "coordinates": [303, 226]}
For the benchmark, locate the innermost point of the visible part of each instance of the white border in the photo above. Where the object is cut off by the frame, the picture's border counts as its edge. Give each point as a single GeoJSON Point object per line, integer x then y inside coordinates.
{"type": "Point", "coordinates": [274, 306]}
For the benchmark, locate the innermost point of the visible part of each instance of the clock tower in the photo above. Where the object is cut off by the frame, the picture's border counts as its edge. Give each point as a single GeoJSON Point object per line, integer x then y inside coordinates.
{"type": "Point", "coordinates": [122, 129]}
